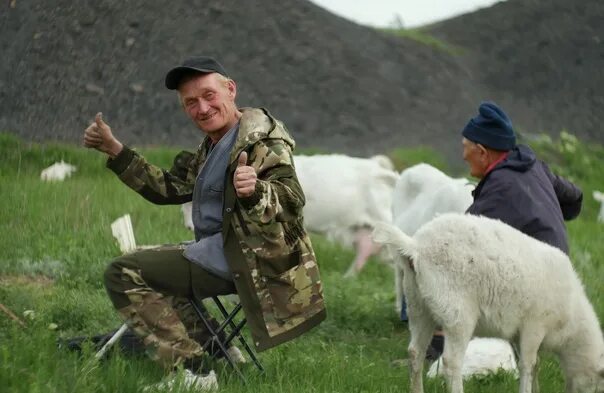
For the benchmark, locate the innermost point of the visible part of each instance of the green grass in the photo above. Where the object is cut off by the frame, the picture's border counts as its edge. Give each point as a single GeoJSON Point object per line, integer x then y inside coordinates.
{"type": "Point", "coordinates": [56, 241]}
{"type": "Point", "coordinates": [419, 35]}
{"type": "Point", "coordinates": [403, 158]}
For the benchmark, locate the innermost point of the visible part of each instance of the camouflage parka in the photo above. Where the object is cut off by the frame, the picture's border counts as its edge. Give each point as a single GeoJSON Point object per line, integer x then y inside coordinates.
{"type": "Point", "coordinates": [269, 254]}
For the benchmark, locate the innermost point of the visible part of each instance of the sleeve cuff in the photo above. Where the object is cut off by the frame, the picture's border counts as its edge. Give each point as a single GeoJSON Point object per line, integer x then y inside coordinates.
{"type": "Point", "coordinates": [120, 163]}
{"type": "Point", "coordinates": [252, 200]}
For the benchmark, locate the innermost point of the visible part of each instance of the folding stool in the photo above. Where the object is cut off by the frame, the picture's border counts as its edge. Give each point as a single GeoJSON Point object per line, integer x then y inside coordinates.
{"type": "Point", "coordinates": [122, 231]}
{"type": "Point", "coordinates": [235, 331]}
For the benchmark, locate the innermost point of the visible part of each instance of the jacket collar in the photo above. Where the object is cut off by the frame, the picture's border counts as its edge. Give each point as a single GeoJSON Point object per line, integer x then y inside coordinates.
{"type": "Point", "coordinates": [257, 124]}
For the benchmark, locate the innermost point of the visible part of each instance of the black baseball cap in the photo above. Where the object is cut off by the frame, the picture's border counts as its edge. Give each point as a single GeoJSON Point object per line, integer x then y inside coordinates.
{"type": "Point", "coordinates": [196, 64]}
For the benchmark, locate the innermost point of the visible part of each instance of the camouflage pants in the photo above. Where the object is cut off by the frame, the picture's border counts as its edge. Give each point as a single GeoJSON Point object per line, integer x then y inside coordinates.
{"type": "Point", "coordinates": [149, 289]}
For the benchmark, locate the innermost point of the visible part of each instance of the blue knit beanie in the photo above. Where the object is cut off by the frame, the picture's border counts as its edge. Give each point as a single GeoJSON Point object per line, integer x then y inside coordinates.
{"type": "Point", "coordinates": [491, 128]}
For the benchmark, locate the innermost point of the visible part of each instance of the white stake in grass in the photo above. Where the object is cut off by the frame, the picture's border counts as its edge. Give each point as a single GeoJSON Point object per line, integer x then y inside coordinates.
{"type": "Point", "coordinates": [598, 196]}
{"type": "Point", "coordinates": [122, 231]}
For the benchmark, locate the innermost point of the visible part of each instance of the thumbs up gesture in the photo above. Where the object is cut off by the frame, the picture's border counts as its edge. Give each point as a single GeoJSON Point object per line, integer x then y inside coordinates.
{"type": "Point", "coordinates": [244, 179]}
{"type": "Point", "coordinates": [98, 136]}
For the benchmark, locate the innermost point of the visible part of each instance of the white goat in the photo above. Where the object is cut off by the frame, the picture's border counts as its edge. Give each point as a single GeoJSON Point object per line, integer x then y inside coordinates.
{"type": "Point", "coordinates": [598, 196]}
{"type": "Point", "coordinates": [475, 275]}
{"type": "Point", "coordinates": [345, 196]}
{"type": "Point", "coordinates": [483, 356]}
{"type": "Point", "coordinates": [420, 194]}
{"type": "Point", "coordinates": [57, 171]}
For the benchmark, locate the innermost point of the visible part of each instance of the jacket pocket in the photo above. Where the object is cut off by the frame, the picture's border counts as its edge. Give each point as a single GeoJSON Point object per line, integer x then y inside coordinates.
{"type": "Point", "coordinates": [277, 265]}
{"type": "Point", "coordinates": [290, 292]}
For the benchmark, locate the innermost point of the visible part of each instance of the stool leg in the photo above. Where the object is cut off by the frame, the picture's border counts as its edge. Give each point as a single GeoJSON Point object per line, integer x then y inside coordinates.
{"type": "Point", "coordinates": [216, 339]}
{"type": "Point", "coordinates": [111, 341]}
{"type": "Point", "coordinates": [236, 330]}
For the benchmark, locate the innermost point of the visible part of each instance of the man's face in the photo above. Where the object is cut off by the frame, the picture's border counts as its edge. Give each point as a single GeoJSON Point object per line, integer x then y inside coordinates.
{"type": "Point", "coordinates": [476, 156]}
{"type": "Point", "coordinates": [209, 100]}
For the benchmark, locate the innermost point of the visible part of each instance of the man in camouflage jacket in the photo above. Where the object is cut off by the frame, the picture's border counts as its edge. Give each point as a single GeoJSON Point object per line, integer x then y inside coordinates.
{"type": "Point", "coordinates": [270, 262]}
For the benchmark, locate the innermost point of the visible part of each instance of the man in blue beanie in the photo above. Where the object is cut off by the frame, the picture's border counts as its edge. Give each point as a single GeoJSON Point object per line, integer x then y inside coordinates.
{"type": "Point", "coordinates": [514, 186]}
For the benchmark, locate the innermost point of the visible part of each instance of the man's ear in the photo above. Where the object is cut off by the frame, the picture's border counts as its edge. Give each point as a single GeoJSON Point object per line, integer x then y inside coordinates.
{"type": "Point", "coordinates": [483, 150]}
{"type": "Point", "coordinates": [232, 87]}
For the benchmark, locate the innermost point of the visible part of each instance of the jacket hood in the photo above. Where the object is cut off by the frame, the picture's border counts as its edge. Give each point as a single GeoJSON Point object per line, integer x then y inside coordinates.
{"type": "Point", "coordinates": [520, 159]}
{"type": "Point", "coordinates": [257, 124]}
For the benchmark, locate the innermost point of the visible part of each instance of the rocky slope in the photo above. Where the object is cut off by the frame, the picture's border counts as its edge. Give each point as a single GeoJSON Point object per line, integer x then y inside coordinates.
{"type": "Point", "coordinates": [337, 85]}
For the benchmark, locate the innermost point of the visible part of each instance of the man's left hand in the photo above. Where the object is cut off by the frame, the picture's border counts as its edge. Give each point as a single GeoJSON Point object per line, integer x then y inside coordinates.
{"type": "Point", "coordinates": [244, 179]}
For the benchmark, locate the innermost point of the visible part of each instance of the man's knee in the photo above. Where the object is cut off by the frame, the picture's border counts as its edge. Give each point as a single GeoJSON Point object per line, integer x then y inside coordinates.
{"type": "Point", "coordinates": [113, 273]}
{"type": "Point", "coordinates": [117, 282]}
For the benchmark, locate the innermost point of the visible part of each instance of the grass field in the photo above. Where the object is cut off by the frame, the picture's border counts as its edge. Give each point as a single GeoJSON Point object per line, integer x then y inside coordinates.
{"type": "Point", "coordinates": [56, 240]}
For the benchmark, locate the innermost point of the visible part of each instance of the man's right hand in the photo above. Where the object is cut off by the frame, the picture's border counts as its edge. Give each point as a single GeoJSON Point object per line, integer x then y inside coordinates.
{"type": "Point", "coordinates": [98, 135]}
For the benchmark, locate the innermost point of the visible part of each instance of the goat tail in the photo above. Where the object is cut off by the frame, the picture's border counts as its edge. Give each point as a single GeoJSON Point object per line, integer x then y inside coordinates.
{"type": "Point", "coordinates": [389, 234]}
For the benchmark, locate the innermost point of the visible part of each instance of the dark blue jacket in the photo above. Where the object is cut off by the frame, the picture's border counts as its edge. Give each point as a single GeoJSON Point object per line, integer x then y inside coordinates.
{"type": "Point", "coordinates": [522, 192]}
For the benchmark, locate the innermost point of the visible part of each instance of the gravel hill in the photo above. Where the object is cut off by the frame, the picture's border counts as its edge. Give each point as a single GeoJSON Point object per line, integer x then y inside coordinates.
{"type": "Point", "coordinates": [337, 85]}
{"type": "Point", "coordinates": [542, 60]}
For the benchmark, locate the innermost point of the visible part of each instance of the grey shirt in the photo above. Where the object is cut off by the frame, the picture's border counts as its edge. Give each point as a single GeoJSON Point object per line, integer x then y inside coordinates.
{"type": "Point", "coordinates": [208, 200]}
